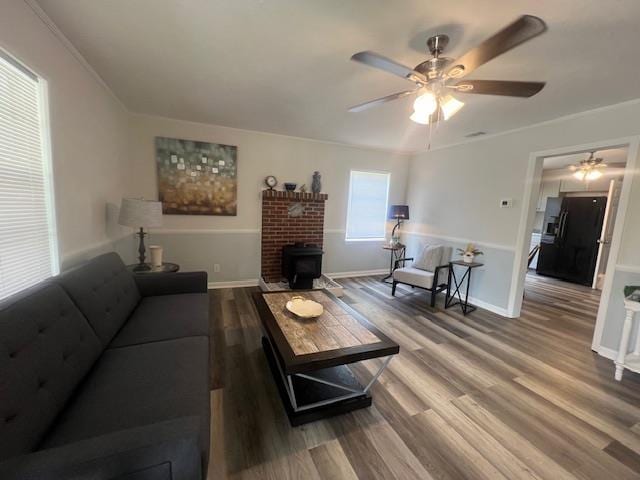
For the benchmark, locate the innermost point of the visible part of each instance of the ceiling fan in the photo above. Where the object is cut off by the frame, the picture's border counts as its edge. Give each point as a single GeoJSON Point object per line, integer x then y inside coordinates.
{"type": "Point", "coordinates": [438, 78]}
{"type": "Point", "coordinates": [589, 168]}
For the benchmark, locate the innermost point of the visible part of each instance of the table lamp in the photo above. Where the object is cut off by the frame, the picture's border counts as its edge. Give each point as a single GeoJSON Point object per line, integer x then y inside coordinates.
{"type": "Point", "coordinates": [140, 213]}
{"type": "Point", "coordinates": [398, 213]}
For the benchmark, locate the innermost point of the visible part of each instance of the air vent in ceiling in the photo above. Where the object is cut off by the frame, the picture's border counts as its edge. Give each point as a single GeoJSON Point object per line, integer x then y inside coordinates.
{"type": "Point", "coordinates": [475, 134]}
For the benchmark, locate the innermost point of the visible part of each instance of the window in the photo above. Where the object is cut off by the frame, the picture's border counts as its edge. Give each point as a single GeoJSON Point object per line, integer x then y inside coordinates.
{"type": "Point", "coordinates": [28, 249]}
{"type": "Point", "coordinates": [367, 209]}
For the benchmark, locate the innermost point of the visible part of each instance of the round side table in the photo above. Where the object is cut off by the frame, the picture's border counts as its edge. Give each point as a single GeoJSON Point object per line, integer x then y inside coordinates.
{"type": "Point", "coordinates": [166, 267]}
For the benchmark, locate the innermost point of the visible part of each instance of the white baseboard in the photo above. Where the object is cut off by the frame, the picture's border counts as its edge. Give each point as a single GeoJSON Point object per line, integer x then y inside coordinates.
{"type": "Point", "coordinates": [358, 273]}
{"type": "Point", "coordinates": [489, 306]}
{"type": "Point", "coordinates": [252, 282]}
{"type": "Point", "coordinates": [605, 352]}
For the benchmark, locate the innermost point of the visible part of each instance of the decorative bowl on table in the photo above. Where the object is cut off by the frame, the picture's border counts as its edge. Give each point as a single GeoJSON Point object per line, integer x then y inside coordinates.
{"type": "Point", "coordinates": [304, 308]}
{"type": "Point", "coordinates": [290, 187]}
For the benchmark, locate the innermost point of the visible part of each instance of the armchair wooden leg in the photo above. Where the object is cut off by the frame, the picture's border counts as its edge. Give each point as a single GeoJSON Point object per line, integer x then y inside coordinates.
{"type": "Point", "coordinates": [433, 297]}
{"type": "Point", "coordinates": [393, 289]}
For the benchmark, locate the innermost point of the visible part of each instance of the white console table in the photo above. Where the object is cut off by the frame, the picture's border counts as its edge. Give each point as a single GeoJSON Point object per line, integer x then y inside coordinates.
{"type": "Point", "coordinates": [630, 361]}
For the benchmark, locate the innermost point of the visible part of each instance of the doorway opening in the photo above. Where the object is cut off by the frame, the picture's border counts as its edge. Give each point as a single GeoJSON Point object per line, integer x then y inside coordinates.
{"type": "Point", "coordinates": [576, 223]}
{"type": "Point", "coordinates": [575, 215]}
{"type": "Point", "coordinates": [573, 226]}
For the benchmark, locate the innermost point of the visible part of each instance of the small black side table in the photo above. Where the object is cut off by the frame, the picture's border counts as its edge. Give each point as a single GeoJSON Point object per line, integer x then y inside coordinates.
{"type": "Point", "coordinates": [396, 252]}
{"type": "Point", "coordinates": [166, 267]}
{"type": "Point", "coordinates": [458, 283]}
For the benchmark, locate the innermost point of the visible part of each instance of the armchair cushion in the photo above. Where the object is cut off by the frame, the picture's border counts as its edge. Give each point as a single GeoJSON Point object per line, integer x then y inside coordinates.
{"type": "Point", "coordinates": [429, 258]}
{"type": "Point", "coordinates": [414, 276]}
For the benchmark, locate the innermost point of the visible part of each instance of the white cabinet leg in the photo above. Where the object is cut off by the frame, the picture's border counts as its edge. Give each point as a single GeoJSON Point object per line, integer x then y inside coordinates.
{"type": "Point", "coordinates": [619, 370]}
{"type": "Point", "coordinates": [624, 344]}
{"type": "Point", "coordinates": [636, 350]}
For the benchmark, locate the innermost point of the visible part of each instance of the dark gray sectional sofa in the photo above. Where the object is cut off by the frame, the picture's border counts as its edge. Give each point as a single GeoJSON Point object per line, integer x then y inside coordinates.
{"type": "Point", "coordinates": [105, 375]}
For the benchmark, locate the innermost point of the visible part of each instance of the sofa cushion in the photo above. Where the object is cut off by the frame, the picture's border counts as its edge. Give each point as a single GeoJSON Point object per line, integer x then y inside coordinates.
{"type": "Point", "coordinates": [166, 317]}
{"type": "Point", "coordinates": [105, 291]}
{"type": "Point", "coordinates": [139, 385]}
{"type": "Point", "coordinates": [430, 257]}
{"type": "Point", "coordinates": [46, 348]}
{"type": "Point", "coordinates": [414, 276]}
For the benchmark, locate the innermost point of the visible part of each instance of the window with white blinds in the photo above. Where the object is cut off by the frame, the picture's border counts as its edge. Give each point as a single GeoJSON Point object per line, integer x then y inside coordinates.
{"type": "Point", "coordinates": [367, 209]}
{"type": "Point", "coordinates": [28, 248]}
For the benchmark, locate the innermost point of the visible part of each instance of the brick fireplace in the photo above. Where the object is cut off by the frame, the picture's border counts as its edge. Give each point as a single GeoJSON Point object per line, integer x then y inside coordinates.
{"type": "Point", "coordinates": [287, 218]}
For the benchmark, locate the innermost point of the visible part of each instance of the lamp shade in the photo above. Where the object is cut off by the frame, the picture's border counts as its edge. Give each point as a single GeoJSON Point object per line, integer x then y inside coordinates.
{"type": "Point", "coordinates": [399, 212]}
{"type": "Point", "coordinates": [139, 213]}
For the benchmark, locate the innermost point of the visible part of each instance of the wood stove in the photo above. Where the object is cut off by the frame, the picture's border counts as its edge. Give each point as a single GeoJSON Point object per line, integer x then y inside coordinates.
{"type": "Point", "coordinates": [301, 264]}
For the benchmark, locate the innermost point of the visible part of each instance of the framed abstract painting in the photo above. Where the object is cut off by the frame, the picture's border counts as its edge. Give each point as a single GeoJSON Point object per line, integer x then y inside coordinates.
{"type": "Point", "coordinates": [197, 178]}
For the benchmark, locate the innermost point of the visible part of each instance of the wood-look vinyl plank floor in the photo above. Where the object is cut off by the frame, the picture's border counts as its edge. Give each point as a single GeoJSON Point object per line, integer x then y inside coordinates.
{"type": "Point", "coordinates": [475, 397]}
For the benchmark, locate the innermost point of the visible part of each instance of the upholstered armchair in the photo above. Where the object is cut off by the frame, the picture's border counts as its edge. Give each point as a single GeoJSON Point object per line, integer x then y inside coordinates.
{"type": "Point", "coordinates": [429, 271]}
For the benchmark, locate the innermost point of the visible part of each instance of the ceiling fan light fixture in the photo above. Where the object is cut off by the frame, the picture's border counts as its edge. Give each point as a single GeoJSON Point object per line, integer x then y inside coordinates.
{"type": "Point", "coordinates": [425, 104]}
{"type": "Point", "coordinates": [589, 169]}
{"type": "Point", "coordinates": [593, 175]}
{"type": "Point", "coordinates": [450, 106]}
{"type": "Point", "coordinates": [420, 117]}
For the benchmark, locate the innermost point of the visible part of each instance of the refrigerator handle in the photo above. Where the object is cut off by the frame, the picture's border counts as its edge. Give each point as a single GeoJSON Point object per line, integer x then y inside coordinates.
{"type": "Point", "coordinates": [563, 223]}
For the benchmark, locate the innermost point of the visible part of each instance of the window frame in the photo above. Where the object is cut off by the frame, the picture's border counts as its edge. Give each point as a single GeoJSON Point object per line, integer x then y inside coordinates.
{"type": "Point", "coordinates": [43, 108]}
{"type": "Point", "coordinates": [387, 174]}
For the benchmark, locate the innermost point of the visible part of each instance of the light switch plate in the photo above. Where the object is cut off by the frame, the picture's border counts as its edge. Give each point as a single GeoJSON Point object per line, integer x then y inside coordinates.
{"type": "Point", "coordinates": [506, 202]}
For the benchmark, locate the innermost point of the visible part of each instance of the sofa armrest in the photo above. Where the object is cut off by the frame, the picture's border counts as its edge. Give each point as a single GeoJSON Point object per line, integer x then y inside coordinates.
{"type": "Point", "coordinates": [153, 284]}
{"type": "Point", "coordinates": [162, 451]}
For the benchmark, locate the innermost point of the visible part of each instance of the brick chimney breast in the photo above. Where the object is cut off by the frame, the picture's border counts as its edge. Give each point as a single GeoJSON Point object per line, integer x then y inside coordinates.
{"type": "Point", "coordinates": [282, 226]}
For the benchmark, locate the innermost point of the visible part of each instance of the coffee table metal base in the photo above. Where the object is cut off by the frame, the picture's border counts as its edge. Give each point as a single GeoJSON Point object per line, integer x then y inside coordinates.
{"type": "Point", "coordinates": [308, 397]}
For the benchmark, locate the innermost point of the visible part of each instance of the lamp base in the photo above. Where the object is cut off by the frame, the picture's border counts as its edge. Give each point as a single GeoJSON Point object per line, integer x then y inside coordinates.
{"type": "Point", "coordinates": [141, 249]}
{"type": "Point", "coordinates": [395, 239]}
{"type": "Point", "coordinates": [142, 267]}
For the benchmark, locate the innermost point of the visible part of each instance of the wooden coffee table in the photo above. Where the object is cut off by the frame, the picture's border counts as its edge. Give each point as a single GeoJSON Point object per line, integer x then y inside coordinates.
{"type": "Point", "coordinates": [308, 358]}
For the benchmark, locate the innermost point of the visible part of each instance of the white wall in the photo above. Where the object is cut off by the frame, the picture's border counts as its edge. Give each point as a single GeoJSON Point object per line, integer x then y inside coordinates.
{"type": "Point", "coordinates": [455, 192]}
{"type": "Point", "coordinates": [234, 242]}
{"type": "Point", "coordinates": [88, 133]}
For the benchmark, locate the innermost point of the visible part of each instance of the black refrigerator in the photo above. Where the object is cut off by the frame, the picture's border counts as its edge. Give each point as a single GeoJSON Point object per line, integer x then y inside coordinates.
{"type": "Point", "coordinates": [569, 240]}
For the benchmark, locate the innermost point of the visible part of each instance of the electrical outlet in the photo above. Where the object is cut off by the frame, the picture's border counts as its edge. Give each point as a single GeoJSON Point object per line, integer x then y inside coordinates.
{"type": "Point", "coordinates": [506, 203]}
{"type": "Point", "coordinates": [216, 267]}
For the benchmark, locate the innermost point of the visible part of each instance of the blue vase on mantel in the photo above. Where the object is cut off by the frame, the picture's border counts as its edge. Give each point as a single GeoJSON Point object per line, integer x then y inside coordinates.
{"type": "Point", "coordinates": [316, 184]}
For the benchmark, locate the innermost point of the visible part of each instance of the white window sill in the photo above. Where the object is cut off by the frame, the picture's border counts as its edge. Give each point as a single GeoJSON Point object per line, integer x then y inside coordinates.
{"type": "Point", "coordinates": [349, 240]}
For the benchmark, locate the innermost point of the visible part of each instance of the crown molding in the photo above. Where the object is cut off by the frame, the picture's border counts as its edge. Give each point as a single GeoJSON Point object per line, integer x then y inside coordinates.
{"type": "Point", "coordinates": [66, 43]}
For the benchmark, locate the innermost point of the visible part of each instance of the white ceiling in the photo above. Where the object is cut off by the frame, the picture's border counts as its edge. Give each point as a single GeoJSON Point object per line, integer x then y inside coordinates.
{"type": "Point", "coordinates": [283, 66]}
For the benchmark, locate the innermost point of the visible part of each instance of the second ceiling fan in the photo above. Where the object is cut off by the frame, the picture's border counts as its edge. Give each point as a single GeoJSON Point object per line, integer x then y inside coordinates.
{"type": "Point", "coordinates": [438, 78]}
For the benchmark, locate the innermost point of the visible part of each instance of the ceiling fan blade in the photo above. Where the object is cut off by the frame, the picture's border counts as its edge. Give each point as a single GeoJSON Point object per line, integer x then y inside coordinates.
{"type": "Point", "coordinates": [380, 62]}
{"type": "Point", "coordinates": [380, 101]}
{"type": "Point", "coordinates": [499, 87]}
{"type": "Point", "coordinates": [524, 28]}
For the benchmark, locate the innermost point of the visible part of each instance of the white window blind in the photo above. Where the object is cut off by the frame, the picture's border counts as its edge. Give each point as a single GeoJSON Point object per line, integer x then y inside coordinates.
{"type": "Point", "coordinates": [367, 209]}
{"type": "Point", "coordinates": [28, 249]}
